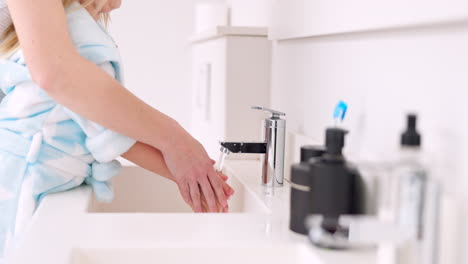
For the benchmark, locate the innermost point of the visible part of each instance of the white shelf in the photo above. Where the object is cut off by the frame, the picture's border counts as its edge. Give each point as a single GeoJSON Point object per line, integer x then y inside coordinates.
{"type": "Point", "coordinates": [221, 31]}
{"type": "Point", "coordinates": [294, 19]}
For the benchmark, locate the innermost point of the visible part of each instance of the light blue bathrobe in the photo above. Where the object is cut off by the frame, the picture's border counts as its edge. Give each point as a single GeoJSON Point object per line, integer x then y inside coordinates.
{"type": "Point", "coordinates": [47, 148]}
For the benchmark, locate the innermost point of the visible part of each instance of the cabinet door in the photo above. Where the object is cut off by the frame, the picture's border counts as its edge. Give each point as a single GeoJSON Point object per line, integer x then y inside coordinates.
{"type": "Point", "coordinates": [208, 93]}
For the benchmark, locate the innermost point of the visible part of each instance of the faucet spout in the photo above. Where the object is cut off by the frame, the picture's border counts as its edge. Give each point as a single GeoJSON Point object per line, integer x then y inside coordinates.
{"type": "Point", "coordinates": [272, 148]}
{"type": "Point", "coordinates": [246, 147]}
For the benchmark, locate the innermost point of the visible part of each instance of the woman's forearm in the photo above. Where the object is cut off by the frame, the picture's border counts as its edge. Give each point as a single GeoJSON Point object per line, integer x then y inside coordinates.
{"type": "Point", "coordinates": [149, 158]}
{"type": "Point", "coordinates": [110, 104]}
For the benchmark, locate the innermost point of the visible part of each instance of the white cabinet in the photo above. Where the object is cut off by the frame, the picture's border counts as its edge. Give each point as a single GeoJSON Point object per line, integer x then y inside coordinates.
{"type": "Point", "coordinates": [230, 73]}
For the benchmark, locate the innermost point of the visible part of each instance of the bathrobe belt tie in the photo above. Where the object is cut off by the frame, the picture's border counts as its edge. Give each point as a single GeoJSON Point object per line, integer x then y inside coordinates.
{"type": "Point", "coordinates": [34, 150]}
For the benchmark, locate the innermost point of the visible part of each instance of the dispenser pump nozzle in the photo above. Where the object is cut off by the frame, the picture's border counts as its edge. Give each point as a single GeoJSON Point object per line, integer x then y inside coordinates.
{"type": "Point", "coordinates": [335, 140]}
{"type": "Point", "coordinates": [411, 137]}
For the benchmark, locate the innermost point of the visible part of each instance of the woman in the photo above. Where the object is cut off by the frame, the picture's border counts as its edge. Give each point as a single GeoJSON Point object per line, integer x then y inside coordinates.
{"type": "Point", "coordinates": [87, 92]}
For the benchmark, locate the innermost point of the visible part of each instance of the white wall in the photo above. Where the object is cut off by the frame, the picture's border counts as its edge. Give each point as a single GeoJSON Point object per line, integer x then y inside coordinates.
{"type": "Point", "coordinates": [383, 74]}
{"type": "Point", "coordinates": [153, 40]}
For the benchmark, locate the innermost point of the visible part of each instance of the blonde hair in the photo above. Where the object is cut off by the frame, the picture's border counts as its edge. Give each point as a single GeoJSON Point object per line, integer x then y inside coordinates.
{"type": "Point", "coordinates": [9, 42]}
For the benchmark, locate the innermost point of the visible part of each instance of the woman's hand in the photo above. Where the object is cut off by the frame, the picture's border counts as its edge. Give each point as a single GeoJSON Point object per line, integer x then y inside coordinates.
{"type": "Point", "coordinates": [152, 159]}
{"type": "Point", "coordinates": [193, 172]}
{"type": "Point", "coordinates": [227, 190]}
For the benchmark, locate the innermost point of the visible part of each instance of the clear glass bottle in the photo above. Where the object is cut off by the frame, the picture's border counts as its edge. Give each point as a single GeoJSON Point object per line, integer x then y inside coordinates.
{"type": "Point", "coordinates": [411, 177]}
{"type": "Point", "coordinates": [416, 196]}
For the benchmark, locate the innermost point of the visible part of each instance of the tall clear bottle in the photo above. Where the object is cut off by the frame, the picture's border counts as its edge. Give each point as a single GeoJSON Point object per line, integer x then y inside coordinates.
{"type": "Point", "coordinates": [416, 196]}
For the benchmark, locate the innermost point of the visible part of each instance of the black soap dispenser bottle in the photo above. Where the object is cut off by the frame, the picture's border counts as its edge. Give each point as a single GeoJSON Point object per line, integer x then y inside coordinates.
{"type": "Point", "coordinates": [325, 185]}
{"type": "Point", "coordinates": [338, 188]}
{"type": "Point", "coordinates": [301, 184]}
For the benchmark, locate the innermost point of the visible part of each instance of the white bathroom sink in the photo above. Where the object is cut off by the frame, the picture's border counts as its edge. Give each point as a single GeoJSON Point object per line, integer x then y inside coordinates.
{"type": "Point", "coordinates": [271, 254]}
{"type": "Point", "coordinates": [139, 191]}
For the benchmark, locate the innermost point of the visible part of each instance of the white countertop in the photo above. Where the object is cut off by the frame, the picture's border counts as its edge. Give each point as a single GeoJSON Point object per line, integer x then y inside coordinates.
{"type": "Point", "coordinates": [62, 224]}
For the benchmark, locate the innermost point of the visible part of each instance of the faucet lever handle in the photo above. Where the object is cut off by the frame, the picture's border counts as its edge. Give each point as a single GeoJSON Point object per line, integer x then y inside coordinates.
{"type": "Point", "coordinates": [274, 113]}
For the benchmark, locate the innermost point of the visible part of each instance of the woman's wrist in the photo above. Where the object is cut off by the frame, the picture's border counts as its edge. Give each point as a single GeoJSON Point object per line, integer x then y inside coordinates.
{"type": "Point", "coordinates": [149, 158]}
{"type": "Point", "coordinates": [171, 134]}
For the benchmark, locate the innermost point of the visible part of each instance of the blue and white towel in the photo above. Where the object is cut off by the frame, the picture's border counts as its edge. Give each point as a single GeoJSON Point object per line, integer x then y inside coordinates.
{"type": "Point", "coordinates": [45, 147]}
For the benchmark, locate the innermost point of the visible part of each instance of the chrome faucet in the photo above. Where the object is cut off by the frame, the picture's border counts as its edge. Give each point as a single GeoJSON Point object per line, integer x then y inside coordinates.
{"type": "Point", "coordinates": [272, 147]}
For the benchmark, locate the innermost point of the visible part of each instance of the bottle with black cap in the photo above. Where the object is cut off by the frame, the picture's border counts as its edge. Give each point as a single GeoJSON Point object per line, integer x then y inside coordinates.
{"type": "Point", "coordinates": [411, 178]}
{"type": "Point", "coordinates": [417, 203]}
{"type": "Point", "coordinates": [339, 188]}
{"type": "Point", "coordinates": [301, 185]}
{"type": "Point", "coordinates": [326, 185]}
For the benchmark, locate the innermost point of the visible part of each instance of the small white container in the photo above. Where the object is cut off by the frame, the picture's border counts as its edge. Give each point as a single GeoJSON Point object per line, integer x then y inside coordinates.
{"type": "Point", "coordinates": [210, 15]}
{"type": "Point", "coordinates": [250, 13]}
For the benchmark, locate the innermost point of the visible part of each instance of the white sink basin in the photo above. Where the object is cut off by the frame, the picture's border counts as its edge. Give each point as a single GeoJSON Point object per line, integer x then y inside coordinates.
{"type": "Point", "coordinates": [271, 254]}
{"type": "Point", "coordinates": [139, 191]}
